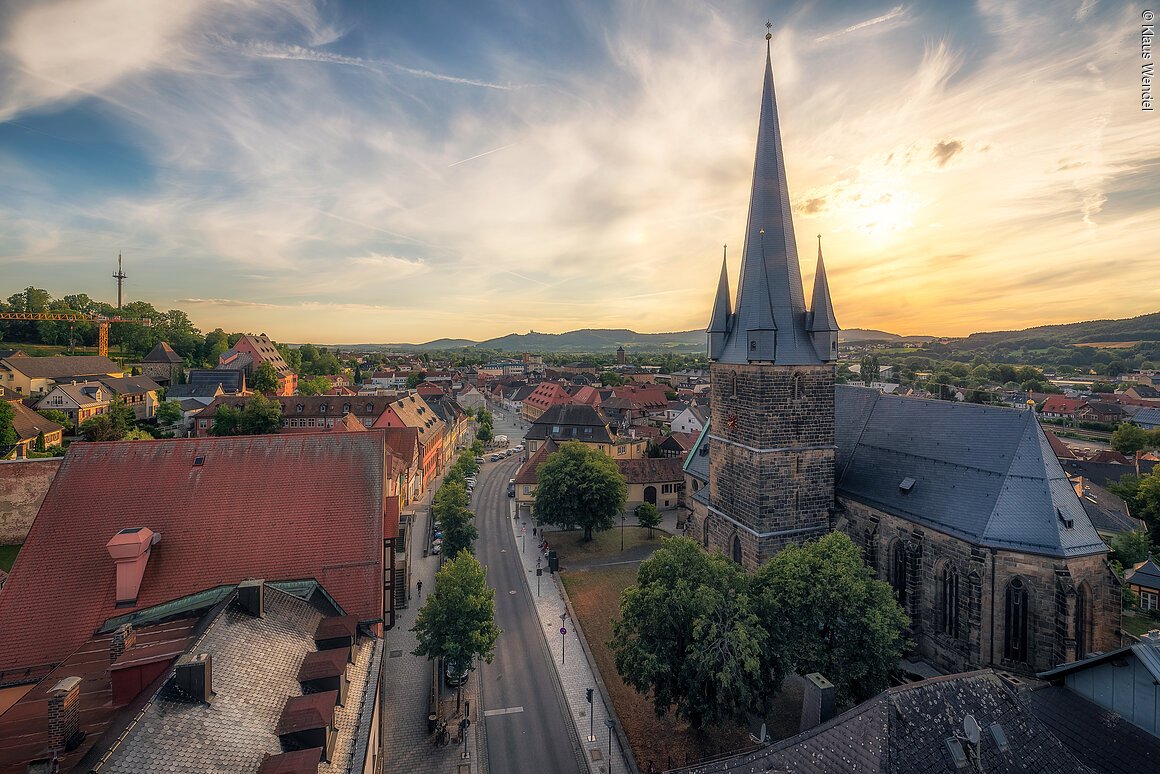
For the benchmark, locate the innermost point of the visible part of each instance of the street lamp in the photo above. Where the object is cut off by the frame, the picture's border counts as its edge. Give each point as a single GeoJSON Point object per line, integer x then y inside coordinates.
{"type": "Point", "coordinates": [622, 532]}
{"type": "Point", "coordinates": [608, 722]}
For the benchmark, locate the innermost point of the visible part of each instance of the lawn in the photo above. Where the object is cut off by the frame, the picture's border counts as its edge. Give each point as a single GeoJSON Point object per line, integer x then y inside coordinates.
{"type": "Point", "coordinates": [665, 742]}
{"type": "Point", "coordinates": [8, 556]}
{"type": "Point", "coordinates": [1132, 623]}
{"type": "Point", "coordinates": [603, 545]}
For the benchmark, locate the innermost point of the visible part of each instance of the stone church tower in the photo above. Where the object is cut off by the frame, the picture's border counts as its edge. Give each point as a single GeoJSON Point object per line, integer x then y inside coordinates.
{"type": "Point", "coordinates": [771, 457]}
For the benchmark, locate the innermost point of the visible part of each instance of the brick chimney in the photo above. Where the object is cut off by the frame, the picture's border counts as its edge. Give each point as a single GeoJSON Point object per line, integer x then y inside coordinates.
{"type": "Point", "coordinates": [123, 638]}
{"type": "Point", "coordinates": [64, 713]}
{"type": "Point", "coordinates": [817, 701]}
{"type": "Point", "coordinates": [252, 598]}
{"type": "Point", "coordinates": [130, 549]}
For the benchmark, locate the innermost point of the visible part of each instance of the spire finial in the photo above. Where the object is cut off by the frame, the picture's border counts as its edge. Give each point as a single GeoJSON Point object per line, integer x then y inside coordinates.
{"type": "Point", "coordinates": [768, 26]}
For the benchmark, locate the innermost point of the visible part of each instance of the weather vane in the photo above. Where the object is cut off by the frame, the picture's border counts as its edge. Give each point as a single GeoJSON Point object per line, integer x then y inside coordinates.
{"type": "Point", "coordinates": [768, 26]}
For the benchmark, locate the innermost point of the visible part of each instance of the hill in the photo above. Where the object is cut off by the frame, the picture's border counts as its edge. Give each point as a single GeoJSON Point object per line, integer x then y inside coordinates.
{"type": "Point", "coordinates": [1146, 327]}
{"type": "Point", "coordinates": [869, 334]}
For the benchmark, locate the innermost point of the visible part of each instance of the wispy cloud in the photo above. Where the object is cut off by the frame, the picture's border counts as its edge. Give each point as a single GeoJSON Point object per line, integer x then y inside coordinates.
{"type": "Point", "coordinates": [895, 13]}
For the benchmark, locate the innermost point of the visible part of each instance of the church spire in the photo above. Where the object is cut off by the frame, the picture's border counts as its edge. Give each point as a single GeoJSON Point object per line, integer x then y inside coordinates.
{"type": "Point", "coordinates": [770, 320]}
{"type": "Point", "coordinates": [823, 324]}
{"type": "Point", "coordinates": [722, 310]}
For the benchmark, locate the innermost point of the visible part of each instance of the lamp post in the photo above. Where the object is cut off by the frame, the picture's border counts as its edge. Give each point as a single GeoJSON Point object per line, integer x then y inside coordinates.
{"type": "Point", "coordinates": [608, 722]}
{"type": "Point", "coordinates": [622, 532]}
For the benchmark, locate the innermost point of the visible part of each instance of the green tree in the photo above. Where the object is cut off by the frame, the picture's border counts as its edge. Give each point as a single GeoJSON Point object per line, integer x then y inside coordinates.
{"type": "Point", "coordinates": [579, 487]}
{"type": "Point", "coordinates": [113, 425]}
{"type": "Point", "coordinates": [833, 616]}
{"type": "Point", "coordinates": [415, 379]}
{"type": "Point", "coordinates": [169, 413]}
{"type": "Point", "coordinates": [648, 516]}
{"type": "Point", "coordinates": [227, 420]}
{"type": "Point", "coordinates": [483, 433]}
{"type": "Point", "coordinates": [261, 416]}
{"type": "Point", "coordinates": [477, 448]}
{"type": "Point", "coordinates": [459, 531]}
{"type": "Point", "coordinates": [457, 622]}
{"type": "Point", "coordinates": [1131, 547]}
{"type": "Point", "coordinates": [265, 378]}
{"type": "Point", "coordinates": [53, 415]}
{"type": "Point", "coordinates": [8, 436]}
{"type": "Point", "coordinates": [687, 634]}
{"type": "Point", "coordinates": [1129, 439]}
{"type": "Point", "coordinates": [316, 385]}
{"type": "Point", "coordinates": [611, 379]}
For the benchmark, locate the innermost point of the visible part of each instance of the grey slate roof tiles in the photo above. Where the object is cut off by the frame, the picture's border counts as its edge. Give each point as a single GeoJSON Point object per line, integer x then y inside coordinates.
{"type": "Point", "coordinates": [983, 473]}
{"type": "Point", "coordinates": [1101, 739]}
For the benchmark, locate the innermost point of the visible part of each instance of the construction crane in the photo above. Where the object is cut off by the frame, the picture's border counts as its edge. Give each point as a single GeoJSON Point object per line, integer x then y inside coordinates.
{"type": "Point", "coordinates": [103, 322]}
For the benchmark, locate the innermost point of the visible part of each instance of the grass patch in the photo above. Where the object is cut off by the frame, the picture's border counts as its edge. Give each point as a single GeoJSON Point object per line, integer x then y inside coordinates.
{"type": "Point", "coordinates": [665, 742]}
{"type": "Point", "coordinates": [8, 556]}
{"type": "Point", "coordinates": [603, 545]}
{"type": "Point", "coordinates": [1132, 623]}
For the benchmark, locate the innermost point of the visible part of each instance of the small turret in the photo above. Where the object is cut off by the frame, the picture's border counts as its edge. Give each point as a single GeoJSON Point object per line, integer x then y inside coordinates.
{"type": "Point", "coordinates": [722, 310]}
{"type": "Point", "coordinates": [823, 325]}
{"type": "Point", "coordinates": [761, 333]}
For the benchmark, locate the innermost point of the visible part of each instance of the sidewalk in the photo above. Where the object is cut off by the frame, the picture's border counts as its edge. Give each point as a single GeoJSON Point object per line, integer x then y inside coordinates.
{"type": "Point", "coordinates": [576, 674]}
{"type": "Point", "coordinates": [408, 747]}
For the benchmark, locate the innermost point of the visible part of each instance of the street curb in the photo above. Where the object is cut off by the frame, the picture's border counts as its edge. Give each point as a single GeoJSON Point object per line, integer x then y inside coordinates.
{"type": "Point", "coordinates": [610, 708]}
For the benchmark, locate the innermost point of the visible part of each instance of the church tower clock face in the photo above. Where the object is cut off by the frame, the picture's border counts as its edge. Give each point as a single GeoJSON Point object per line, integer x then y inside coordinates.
{"type": "Point", "coordinates": [732, 421]}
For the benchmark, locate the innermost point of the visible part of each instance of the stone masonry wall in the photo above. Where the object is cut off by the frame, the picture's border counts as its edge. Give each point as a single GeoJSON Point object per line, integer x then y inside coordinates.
{"type": "Point", "coordinates": [1052, 585]}
{"type": "Point", "coordinates": [778, 474]}
{"type": "Point", "coordinates": [23, 485]}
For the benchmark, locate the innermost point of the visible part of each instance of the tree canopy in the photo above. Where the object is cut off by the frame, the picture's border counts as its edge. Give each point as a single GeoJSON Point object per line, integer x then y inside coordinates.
{"type": "Point", "coordinates": [457, 621]}
{"type": "Point", "coordinates": [265, 378]}
{"type": "Point", "coordinates": [455, 518]}
{"type": "Point", "coordinates": [261, 416]}
{"type": "Point", "coordinates": [579, 487]}
{"type": "Point", "coordinates": [1129, 439]}
{"type": "Point", "coordinates": [648, 516]}
{"type": "Point", "coordinates": [8, 435]}
{"type": "Point", "coordinates": [113, 425]}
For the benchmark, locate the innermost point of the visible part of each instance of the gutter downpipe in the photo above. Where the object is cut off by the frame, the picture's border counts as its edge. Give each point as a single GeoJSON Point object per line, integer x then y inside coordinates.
{"type": "Point", "coordinates": [992, 635]}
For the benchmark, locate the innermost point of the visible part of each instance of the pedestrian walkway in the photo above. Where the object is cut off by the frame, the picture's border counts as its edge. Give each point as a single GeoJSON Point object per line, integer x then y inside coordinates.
{"type": "Point", "coordinates": [407, 685]}
{"type": "Point", "coordinates": [604, 752]}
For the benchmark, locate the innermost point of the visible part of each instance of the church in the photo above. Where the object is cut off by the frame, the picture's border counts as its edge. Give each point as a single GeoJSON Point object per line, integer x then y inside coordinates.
{"type": "Point", "coordinates": [964, 509]}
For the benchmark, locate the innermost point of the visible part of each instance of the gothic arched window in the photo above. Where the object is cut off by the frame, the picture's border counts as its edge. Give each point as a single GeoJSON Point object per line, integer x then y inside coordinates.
{"type": "Point", "coordinates": [1015, 621]}
{"type": "Point", "coordinates": [797, 386]}
{"type": "Point", "coordinates": [949, 600]}
{"type": "Point", "coordinates": [705, 533]}
{"type": "Point", "coordinates": [1083, 622]}
{"type": "Point", "coordinates": [737, 549]}
{"type": "Point", "coordinates": [899, 572]}
{"type": "Point", "coordinates": [733, 384]}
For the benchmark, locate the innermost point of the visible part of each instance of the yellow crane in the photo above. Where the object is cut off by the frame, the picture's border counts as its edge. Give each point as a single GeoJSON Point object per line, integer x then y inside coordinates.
{"type": "Point", "coordinates": [103, 322]}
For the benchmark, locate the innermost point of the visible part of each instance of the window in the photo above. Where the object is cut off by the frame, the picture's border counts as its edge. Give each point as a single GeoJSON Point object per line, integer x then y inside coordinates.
{"type": "Point", "coordinates": [202, 423]}
{"type": "Point", "coordinates": [737, 549]}
{"type": "Point", "coordinates": [345, 408]}
{"type": "Point", "coordinates": [1149, 600]}
{"type": "Point", "coordinates": [1083, 621]}
{"type": "Point", "coordinates": [620, 450]}
{"type": "Point", "coordinates": [666, 488]}
{"type": "Point", "coordinates": [705, 533]}
{"type": "Point", "coordinates": [310, 422]}
{"type": "Point", "coordinates": [527, 490]}
{"type": "Point", "coordinates": [1015, 622]}
{"type": "Point", "coordinates": [298, 408]}
{"type": "Point", "coordinates": [733, 384]}
{"type": "Point", "coordinates": [949, 601]}
{"type": "Point", "coordinates": [797, 386]}
{"type": "Point", "coordinates": [899, 572]}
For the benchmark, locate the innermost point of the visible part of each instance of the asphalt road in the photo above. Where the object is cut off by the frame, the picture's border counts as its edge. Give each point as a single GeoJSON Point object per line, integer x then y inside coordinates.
{"type": "Point", "coordinates": [539, 737]}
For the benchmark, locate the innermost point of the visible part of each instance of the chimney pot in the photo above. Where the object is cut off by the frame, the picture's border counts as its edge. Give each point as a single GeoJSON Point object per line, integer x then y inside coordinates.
{"type": "Point", "coordinates": [130, 549]}
{"type": "Point", "coordinates": [123, 638]}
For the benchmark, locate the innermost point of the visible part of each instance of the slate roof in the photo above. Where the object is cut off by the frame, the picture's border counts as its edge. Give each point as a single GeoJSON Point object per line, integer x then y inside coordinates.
{"type": "Point", "coordinates": [231, 380]}
{"type": "Point", "coordinates": [697, 462]}
{"type": "Point", "coordinates": [650, 470]}
{"type": "Point", "coordinates": [130, 385]}
{"type": "Point", "coordinates": [1147, 417]}
{"type": "Point", "coordinates": [255, 674]}
{"type": "Point", "coordinates": [1108, 512]}
{"type": "Point", "coordinates": [1101, 739]}
{"type": "Point", "coordinates": [162, 353]}
{"type": "Point", "coordinates": [983, 473]}
{"type": "Point", "coordinates": [1103, 472]}
{"type": "Point", "coordinates": [306, 505]}
{"type": "Point", "coordinates": [770, 293]}
{"type": "Point", "coordinates": [576, 422]}
{"type": "Point", "coordinates": [904, 730]}
{"type": "Point", "coordinates": [63, 366]}
{"type": "Point", "coordinates": [183, 391]}
{"type": "Point", "coordinates": [1146, 573]}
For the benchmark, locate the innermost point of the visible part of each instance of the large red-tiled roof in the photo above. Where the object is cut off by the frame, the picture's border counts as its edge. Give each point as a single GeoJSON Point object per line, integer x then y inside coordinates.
{"type": "Point", "coordinates": [277, 507]}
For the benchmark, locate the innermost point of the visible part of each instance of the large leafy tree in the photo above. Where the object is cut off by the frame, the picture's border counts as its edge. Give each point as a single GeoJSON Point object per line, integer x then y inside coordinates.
{"type": "Point", "coordinates": [833, 615]}
{"type": "Point", "coordinates": [265, 378]}
{"type": "Point", "coordinates": [457, 520]}
{"type": "Point", "coordinates": [648, 516]}
{"type": "Point", "coordinates": [7, 431]}
{"type": "Point", "coordinates": [169, 413]}
{"type": "Point", "coordinates": [261, 416]}
{"type": "Point", "coordinates": [113, 425]}
{"type": "Point", "coordinates": [457, 622]}
{"type": "Point", "coordinates": [1129, 439]}
{"type": "Point", "coordinates": [579, 487]}
{"type": "Point", "coordinates": [688, 634]}
{"type": "Point", "coordinates": [315, 385]}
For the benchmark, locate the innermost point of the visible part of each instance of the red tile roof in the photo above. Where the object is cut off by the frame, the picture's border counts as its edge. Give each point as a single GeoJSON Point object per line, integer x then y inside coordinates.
{"type": "Point", "coordinates": [651, 470]}
{"type": "Point", "coordinates": [1062, 451]}
{"type": "Point", "coordinates": [277, 507]}
{"type": "Point", "coordinates": [1058, 404]}
{"type": "Point", "coordinates": [548, 394]}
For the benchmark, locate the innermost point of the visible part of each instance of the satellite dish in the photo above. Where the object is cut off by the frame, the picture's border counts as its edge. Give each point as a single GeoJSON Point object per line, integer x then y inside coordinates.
{"type": "Point", "coordinates": [972, 729]}
{"type": "Point", "coordinates": [764, 733]}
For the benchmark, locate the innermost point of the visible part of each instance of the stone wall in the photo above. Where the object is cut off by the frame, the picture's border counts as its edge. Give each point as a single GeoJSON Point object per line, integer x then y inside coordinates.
{"type": "Point", "coordinates": [23, 485]}
{"type": "Point", "coordinates": [773, 472]}
{"type": "Point", "coordinates": [1053, 588]}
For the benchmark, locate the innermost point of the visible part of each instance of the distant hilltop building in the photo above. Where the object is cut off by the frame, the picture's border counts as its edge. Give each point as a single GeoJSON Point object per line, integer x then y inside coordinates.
{"type": "Point", "coordinates": [964, 509]}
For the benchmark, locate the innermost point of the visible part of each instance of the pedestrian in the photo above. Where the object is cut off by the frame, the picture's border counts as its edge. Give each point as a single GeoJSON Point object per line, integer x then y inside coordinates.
{"type": "Point", "coordinates": [533, 531]}
{"type": "Point", "coordinates": [419, 586]}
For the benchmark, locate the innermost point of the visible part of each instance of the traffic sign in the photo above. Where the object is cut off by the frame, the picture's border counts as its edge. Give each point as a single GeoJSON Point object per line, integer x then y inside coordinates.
{"type": "Point", "coordinates": [563, 630]}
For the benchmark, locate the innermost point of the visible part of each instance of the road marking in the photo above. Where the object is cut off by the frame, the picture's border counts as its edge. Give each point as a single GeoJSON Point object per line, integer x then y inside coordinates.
{"type": "Point", "coordinates": [504, 711]}
{"type": "Point", "coordinates": [513, 591]}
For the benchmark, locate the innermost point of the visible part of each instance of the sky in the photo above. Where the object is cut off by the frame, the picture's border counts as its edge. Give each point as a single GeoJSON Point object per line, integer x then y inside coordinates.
{"type": "Point", "coordinates": [348, 172]}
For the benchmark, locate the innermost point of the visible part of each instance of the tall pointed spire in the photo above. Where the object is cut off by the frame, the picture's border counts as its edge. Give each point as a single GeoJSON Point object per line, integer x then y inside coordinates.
{"type": "Point", "coordinates": [770, 321]}
{"type": "Point", "coordinates": [823, 324]}
{"type": "Point", "coordinates": [722, 309]}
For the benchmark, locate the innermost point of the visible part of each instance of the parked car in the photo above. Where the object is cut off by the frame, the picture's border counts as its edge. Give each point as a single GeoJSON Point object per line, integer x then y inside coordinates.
{"type": "Point", "coordinates": [518, 449]}
{"type": "Point", "coordinates": [494, 458]}
{"type": "Point", "coordinates": [511, 487]}
{"type": "Point", "coordinates": [479, 460]}
{"type": "Point", "coordinates": [454, 673]}
{"type": "Point", "coordinates": [437, 547]}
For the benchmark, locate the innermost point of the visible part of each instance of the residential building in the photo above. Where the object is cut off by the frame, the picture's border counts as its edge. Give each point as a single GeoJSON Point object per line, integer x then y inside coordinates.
{"type": "Point", "coordinates": [677, 444]}
{"type": "Point", "coordinates": [79, 401]}
{"type": "Point", "coordinates": [137, 392]}
{"type": "Point", "coordinates": [250, 352]}
{"type": "Point", "coordinates": [1108, 413]}
{"type": "Point", "coordinates": [1059, 407]}
{"type": "Point", "coordinates": [692, 420]}
{"type": "Point", "coordinates": [32, 429]}
{"type": "Point", "coordinates": [1109, 513]}
{"type": "Point", "coordinates": [584, 424]}
{"type": "Point", "coordinates": [1144, 579]}
{"type": "Point", "coordinates": [543, 397]}
{"type": "Point", "coordinates": [232, 380]}
{"type": "Point", "coordinates": [1147, 418]}
{"type": "Point", "coordinates": [1144, 392]}
{"type": "Point", "coordinates": [203, 394]}
{"type": "Point", "coordinates": [470, 398]}
{"type": "Point", "coordinates": [659, 481]}
{"type": "Point", "coordinates": [412, 411]}
{"type": "Point", "coordinates": [963, 508]}
{"type": "Point", "coordinates": [163, 365]}
{"type": "Point", "coordinates": [35, 376]}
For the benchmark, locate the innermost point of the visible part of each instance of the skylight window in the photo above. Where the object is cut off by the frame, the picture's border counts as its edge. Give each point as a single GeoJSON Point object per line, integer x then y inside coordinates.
{"type": "Point", "coordinates": [906, 485]}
